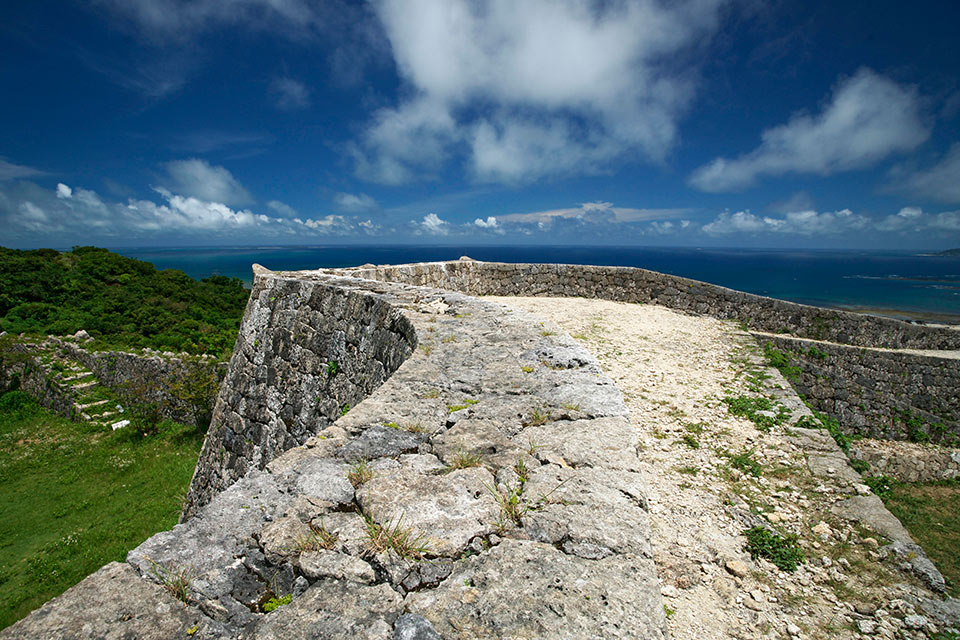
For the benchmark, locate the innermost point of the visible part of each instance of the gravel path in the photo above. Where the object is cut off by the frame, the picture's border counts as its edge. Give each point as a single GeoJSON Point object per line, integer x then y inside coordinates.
{"type": "Point", "coordinates": [674, 371]}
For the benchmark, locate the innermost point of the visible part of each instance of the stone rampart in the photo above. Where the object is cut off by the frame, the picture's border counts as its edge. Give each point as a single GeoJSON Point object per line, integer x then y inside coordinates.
{"type": "Point", "coordinates": [306, 353]}
{"type": "Point", "coordinates": [630, 284]}
{"type": "Point", "coordinates": [906, 461]}
{"type": "Point", "coordinates": [489, 488]}
{"type": "Point", "coordinates": [878, 393]}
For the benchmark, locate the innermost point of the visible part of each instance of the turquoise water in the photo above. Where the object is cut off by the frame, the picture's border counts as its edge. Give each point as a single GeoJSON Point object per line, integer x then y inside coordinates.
{"type": "Point", "coordinates": [903, 284]}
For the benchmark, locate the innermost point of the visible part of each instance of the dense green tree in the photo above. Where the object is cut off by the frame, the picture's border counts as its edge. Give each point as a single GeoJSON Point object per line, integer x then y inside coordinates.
{"type": "Point", "coordinates": [120, 301]}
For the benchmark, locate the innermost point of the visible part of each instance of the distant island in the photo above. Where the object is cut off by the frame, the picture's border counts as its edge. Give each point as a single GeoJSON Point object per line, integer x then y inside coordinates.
{"type": "Point", "coordinates": [953, 253]}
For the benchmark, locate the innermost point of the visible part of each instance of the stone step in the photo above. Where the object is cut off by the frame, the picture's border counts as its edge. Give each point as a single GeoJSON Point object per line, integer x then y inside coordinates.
{"type": "Point", "coordinates": [84, 407]}
{"type": "Point", "coordinates": [84, 374]}
{"type": "Point", "coordinates": [84, 385]}
{"type": "Point", "coordinates": [119, 424]}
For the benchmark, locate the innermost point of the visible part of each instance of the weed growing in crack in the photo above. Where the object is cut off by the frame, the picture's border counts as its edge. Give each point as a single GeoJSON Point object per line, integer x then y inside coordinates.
{"type": "Point", "coordinates": [464, 460]}
{"type": "Point", "coordinates": [393, 536]}
{"type": "Point", "coordinates": [360, 473]}
{"type": "Point", "coordinates": [690, 440]}
{"type": "Point", "coordinates": [318, 538]}
{"type": "Point", "coordinates": [526, 369]}
{"type": "Point", "coordinates": [690, 471]}
{"type": "Point", "coordinates": [532, 446]}
{"type": "Point", "coordinates": [175, 580]}
{"type": "Point", "coordinates": [274, 603]}
{"type": "Point", "coordinates": [783, 551]}
{"type": "Point", "coordinates": [758, 411]}
{"type": "Point", "coordinates": [537, 417]}
{"type": "Point", "coordinates": [745, 462]}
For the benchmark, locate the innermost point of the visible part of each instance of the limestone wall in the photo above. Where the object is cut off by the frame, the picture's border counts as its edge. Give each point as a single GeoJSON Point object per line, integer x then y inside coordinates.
{"type": "Point", "coordinates": [306, 353]}
{"type": "Point", "coordinates": [489, 488]}
{"type": "Point", "coordinates": [640, 285]}
{"type": "Point", "coordinates": [878, 393]}
{"type": "Point", "coordinates": [182, 387]}
{"type": "Point", "coordinates": [906, 461]}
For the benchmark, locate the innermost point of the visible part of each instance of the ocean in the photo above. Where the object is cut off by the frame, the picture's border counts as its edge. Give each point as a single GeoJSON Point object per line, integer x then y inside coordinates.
{"type": "Point", "coordinates": [898, 284]}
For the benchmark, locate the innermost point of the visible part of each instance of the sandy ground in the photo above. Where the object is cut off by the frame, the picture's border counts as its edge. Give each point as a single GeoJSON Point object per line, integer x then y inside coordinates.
{"type": "Point", "coordinates": [674, 371]}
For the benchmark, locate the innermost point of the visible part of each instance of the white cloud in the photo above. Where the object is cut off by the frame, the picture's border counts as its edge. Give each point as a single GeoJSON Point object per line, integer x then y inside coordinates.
{"type": "Point", "coordinates": [355, 202]}
{"type": "Point", "coordinates": [289, 94]}
{"type": "Point", "coordinates": [593, 211]}
{"type": "Point", "coordinates": [805, 223]}
{"type": "Point", "coordinates": [283, 209]}
{"type": "Point", "coordinates": [81, 213]}
{"type": "Point", "coordinates": [199, 179]}
{"type": "Point", "coordinates": [489, 223]}
{"type": "Point", "coordinates": [535, 88]}
{"type": "Point", "coordinates": [868, 118]}
{"type": "Point", "coordinates": [182, 212]}
{"type": "Point", "coordinates": [940, 182]}
{"type": "Point", "coordinates": [434, 225]}
{"type": "Point", "coordinates": [10, 171]}
{"type": "Point", "coordinates": [913, 219]}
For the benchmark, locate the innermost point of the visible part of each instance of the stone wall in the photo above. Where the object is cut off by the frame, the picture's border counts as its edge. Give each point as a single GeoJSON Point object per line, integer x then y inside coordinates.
{"type": "Point", "coordinates": [182, 387]}
{"type": "Point", "coordinates": [307, 352]}
{"type": "Point", "coordinates": [875, 392]}
{"type": "Point", "coordinates": [630, 284]}
{"type": "Point", "coordinates": [491, 487]}
{"type": "Point", "coordinates": [906, 461]}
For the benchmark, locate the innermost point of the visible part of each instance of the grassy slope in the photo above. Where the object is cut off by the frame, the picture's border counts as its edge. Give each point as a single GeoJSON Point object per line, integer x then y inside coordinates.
{"type": "Point", "coordinates": [73, 499]}
{"type": "Point", "coordinates": [931, 512]}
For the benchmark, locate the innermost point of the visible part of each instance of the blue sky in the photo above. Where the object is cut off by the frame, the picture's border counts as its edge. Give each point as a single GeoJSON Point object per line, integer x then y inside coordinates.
{"type": "Point", "coordinates": [686, 123]}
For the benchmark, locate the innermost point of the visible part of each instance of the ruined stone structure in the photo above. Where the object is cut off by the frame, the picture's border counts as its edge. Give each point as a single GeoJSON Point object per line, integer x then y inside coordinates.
{"type": "Point", "coordinates": [341, 467]}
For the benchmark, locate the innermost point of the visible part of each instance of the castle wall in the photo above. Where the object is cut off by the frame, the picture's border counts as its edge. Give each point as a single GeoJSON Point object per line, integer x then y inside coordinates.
{"type": "Point", "coordinates": [307, 351]}
{"type": "Point", "coordinates": [878, 393]}
{"type": "Point", "coordinates": [630, 284]}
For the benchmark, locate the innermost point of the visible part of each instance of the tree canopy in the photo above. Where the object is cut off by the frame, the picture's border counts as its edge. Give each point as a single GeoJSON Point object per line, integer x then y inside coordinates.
{"type": "Point", "coordinates": [120, 301]}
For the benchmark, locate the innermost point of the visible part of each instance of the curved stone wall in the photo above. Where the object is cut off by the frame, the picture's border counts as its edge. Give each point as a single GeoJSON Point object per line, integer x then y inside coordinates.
{"type": "Point", "coordinates": [630, 284]}
{"type": "Point", "coordinates": [489, 488]}
{"type": "Point", "coordinates": [307, 351]}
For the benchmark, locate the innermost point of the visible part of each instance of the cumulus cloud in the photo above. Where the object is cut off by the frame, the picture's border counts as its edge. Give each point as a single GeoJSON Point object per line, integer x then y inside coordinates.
{"type": "Point", "coordinates": [912, 219]}
{"type": "Point", "coordinates": [10, 171]}
{"type": "Point", "coordinates": [868, 118]}
{"type": "Point", "coordinates": [355, 202]}
{"type": "Point", "coordinates": [289, 94]}
{"type": "Point", "coordinates": [26, 208]}
{"type": "Point", "coordinates": [939, 182]}
{"type": "Point", "coordinates": [804, 223]}
{"type": "Point", "coordinates": [283, 209]}
{"type": "Point", "coordinates": [434, 225]}
{"type": "Point", "coordinates": [199, 179]}
{"type": "Point", "coordinates": [489, 223]}
{"type": "Point", "coordinates": [532, 89]}
{"type": "Point", "coordinates": [593, 212]}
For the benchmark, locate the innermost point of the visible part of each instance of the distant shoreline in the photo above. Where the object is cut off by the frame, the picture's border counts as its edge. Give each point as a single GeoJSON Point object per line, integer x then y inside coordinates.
{"type": "Point", "coordinates": [922, 317]}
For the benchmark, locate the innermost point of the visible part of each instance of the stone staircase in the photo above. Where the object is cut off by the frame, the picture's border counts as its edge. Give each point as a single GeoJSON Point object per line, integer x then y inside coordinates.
{"type": "Point", "coordinates": [92, 402]}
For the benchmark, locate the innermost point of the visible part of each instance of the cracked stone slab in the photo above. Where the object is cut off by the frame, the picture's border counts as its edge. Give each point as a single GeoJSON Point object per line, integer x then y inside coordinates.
{"type": "Point", "coordinates": [449, 509]}
{"type": "Point", "coordinates": [378, 442]}
{"type": "Point", "coordinates": [480, 437]}
{"type": "Point", "coordinates": [339, 566]}
{"type": "Point", "coordinates": [335, 610]}
{"type": "Point", "coordinates": [608, 443]}
{"type": "Point", "coordinates": [326, 480]}
{"type": "Point", "coordinates": [526, 589]}
{"type": "Point", "coordinates": [209, 544]}
{"type": "Point", "coordinates": [589, 512]}
{"type": "Point", "coordinates": [114, 604]}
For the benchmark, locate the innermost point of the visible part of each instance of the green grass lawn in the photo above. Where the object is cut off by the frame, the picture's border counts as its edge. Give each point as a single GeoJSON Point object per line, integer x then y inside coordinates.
{"type": "Point", "coordinates": [73, 498]}
{"type": "Point", "coordinates": [931, 512]}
